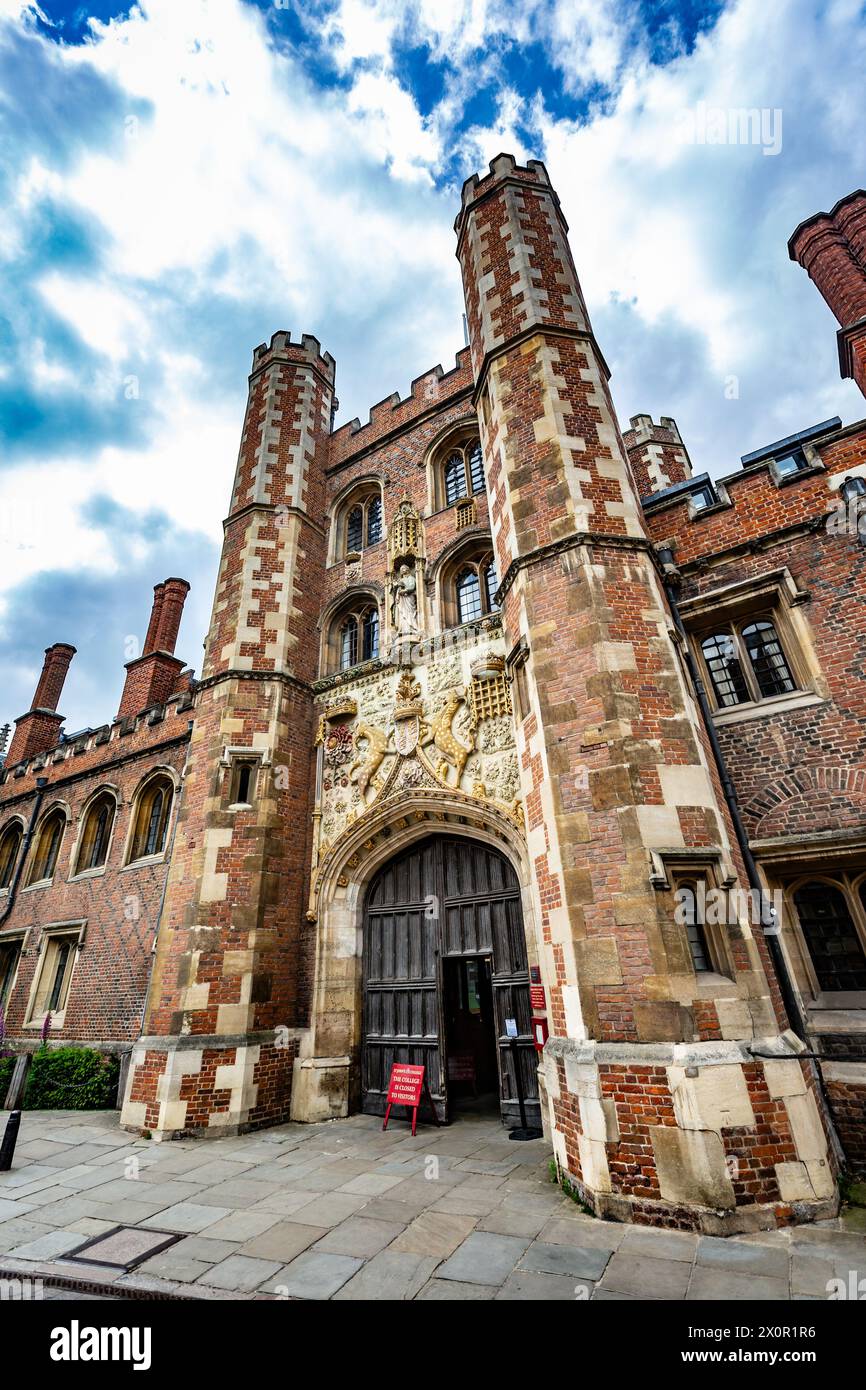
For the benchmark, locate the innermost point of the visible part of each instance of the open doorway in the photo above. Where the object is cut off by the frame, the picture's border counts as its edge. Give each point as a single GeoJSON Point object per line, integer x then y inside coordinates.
{"type": "Point", "coordinates": [470, 1034]}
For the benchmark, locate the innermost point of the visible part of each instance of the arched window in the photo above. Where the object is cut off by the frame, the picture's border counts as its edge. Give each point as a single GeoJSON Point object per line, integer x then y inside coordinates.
{"type": "Point", "coordinates": [10, 844]}
{"type": "Point", "coordinates": [355, 529]}
{"type": "Point", "coordinates": [151, 817]}
{"type": "Point", "coordinates": [93, 849]}
{"type": "Point", "coordinates": [462, 473]}
{"type": "Point", "coordinates": [47, 848]}
{"type": "Point", "coordinates": [746, 662]}
{"type": "Point", "coordinates": [831, 935]}
{"type": "Point", "coordinates": [469, 589]}
{"type": "Point", "coordinates": [354, 636]}
{"type": "Point", "coordinates": [360, 523]}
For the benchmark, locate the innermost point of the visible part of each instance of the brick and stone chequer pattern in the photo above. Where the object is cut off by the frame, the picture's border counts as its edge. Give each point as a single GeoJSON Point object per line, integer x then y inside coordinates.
{"type": "Point", "coordinates": [340, 1210]}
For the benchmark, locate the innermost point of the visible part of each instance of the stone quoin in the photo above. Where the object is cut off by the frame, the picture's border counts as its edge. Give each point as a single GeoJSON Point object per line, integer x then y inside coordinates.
{"type": "Point", "coordinates": [495, 695]}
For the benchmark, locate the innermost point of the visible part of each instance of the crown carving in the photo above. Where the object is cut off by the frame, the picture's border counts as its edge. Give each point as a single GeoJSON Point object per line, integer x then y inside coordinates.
{"type": "Point", "coordinates": [346, 708]}
{"type": "Point", "coordinates": [408, 697]}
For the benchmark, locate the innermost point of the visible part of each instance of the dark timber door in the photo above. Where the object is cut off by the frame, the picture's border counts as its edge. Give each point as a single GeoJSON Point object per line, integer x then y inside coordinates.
{"type": "Point", "coordinates": [444, 899]}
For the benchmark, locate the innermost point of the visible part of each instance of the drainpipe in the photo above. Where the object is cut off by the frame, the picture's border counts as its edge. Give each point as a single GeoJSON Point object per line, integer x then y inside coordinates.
{"type": "Point", "coordinates": [41, 784]}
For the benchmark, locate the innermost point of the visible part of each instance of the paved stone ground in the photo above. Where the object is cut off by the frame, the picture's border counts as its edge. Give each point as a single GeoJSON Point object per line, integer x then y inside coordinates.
{"type": "Point", "coordinates": [344, 1211]}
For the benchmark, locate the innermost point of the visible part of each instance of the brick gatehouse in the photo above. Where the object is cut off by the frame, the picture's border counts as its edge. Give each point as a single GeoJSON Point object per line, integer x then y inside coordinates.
{"type": "Point", "coordinates": [509, 720]}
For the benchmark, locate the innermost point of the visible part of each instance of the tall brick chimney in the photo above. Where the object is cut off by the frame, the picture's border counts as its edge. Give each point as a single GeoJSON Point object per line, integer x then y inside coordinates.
{"type": "Point", "coordinates": [38, 730]}
{"type": "Point", "coordinates": [656, 453]}
{"type": "Point", "coordinates": [831, 248]}
{"type": "Point", "coordinates": [153, 676]}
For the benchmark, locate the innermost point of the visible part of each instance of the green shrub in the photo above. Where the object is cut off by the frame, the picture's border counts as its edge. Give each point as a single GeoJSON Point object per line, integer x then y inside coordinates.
{"type": "Point", "coordinates": [71, 1078]}
{"type": "Point", "coordinates": [7, 1066]}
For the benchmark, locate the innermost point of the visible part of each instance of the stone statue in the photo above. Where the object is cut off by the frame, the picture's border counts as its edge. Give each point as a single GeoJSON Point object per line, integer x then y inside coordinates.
{"type": "Point", "coordinates": [405, 602]}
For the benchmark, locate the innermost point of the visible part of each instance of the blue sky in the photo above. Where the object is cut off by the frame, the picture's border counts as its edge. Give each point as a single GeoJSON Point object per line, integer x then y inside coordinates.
{"type": "Point", "coordinates": [180, 178]}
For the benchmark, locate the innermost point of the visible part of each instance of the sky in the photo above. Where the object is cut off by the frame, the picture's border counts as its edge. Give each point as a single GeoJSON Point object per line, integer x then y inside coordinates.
{"type": "Point", "coordinates": [181, 178]}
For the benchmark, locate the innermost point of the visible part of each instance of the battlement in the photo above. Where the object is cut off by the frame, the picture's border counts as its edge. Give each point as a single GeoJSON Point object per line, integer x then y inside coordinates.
{"type": "Point", "coordinates": [88, 749]}
{"type": "Point", "coordinates": [759, 500]}
{"type": "Point", "coordinates": [308, 350]}
{"type": "Point", "coordinates": [432, 388]}
{"type": "Point", "coordinates": [645, 430]}
{"type": "Point", "coordinates": [504, 166]}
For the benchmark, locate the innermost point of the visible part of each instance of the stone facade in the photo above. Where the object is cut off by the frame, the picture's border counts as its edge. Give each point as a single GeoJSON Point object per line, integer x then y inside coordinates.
{"type": "Point", "coordinates": [488, 612]}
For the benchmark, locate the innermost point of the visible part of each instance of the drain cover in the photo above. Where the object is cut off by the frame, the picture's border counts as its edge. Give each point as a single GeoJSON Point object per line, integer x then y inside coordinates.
{"type": "Point", "coordinates": [123, 1248]}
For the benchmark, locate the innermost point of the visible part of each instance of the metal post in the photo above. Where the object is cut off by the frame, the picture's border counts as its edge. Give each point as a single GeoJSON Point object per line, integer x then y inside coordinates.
{"type": "Point", "coordinates": [7, 1148]}
{"type": "Point", "coordinates": [524, 1132]}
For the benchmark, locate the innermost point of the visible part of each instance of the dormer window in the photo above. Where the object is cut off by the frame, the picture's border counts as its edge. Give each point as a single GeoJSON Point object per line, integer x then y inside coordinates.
{"type": "Point", "coordinates": [792, 462]}
{"type": "Point", "coordinates": [703, 497]}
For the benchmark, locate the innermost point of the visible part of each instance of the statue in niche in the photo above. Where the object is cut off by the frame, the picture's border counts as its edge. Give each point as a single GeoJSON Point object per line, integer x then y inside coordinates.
{"type": "Point", "coordinates": [405, 601]}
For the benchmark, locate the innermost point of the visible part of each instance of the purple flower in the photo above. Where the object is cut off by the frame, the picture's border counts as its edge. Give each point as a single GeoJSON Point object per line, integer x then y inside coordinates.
{"type": "Point", "coordinates": [46, 1029]}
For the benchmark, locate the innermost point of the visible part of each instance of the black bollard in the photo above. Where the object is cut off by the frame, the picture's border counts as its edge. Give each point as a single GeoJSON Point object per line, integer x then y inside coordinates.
{"type": "Point", "coordinates": [525, 1131]}
{"type": "Point", "coordinates": [7, 1148]}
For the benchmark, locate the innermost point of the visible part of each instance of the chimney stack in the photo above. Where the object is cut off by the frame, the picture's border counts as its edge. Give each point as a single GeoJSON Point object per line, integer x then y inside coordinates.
{"type": "Point", "coordinates": [38, 729]}
{"type": "Point", "coordinates": [831, 248]}
{"type": "Point", "coordinates": [153, 676]}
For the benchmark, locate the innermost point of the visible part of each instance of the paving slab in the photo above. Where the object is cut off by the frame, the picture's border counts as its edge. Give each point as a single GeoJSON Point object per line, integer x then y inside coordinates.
{"type": "Point", "coordinates": [285, 1241]}
{"type": "Point", "coordinates": [313, 1275]}
{"type": "Point", "coordinates": [391, 1275]}
{"type": "Point", "coordinates": [327, 1209]}
{"type": "Point", "coordinates": [544, 1288]}
{"type": "Point", "coordinates": [360, 1236]}
{"type": "Point", "coordinates": [242, 1225]}
{"type": "Point", "coordinates": [452, 1291]}
{"type": "Point", "coordinates": [716, 1253]}
{"type": "Point", "coordinates": [240, 1273]}
{"type": "Point", "coordinates": [484, 1258]}
{"type": "Point", "coordinates": [47, 1247]}
{"type": "Point", "coordinates": [711, 1284]}
{"type": "Point", "coordinates": [186, 1216]}
{"type": "Point", "coordinates": [507, 1221]}
{"type": "Point", "coordinates": [646, 1277]}
{"type": "Point", "coordinates": [668, 1245]}
{"type": "Point", "coordinates": [580, 1262]}
{"type": "Point", "coordinates": [435, 1233]}
{"type": "Point", "coordinates": [569, 1230]}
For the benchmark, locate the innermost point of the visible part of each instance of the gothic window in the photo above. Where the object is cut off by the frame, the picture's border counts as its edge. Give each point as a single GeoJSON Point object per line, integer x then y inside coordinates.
{"type": "Point", "coordinates": [468, 595]}
{"type": "Point", "coordinates": [826, 914]}
{"type": "Point", "coordinates": [151, 817]}
{"type": "Point", "coordinates": [10, 844]}
{"type": "Point", "coordinates": [93, 850]}
{"type": "Point", "coordinates": [54, 976]}
{"type": "Point", "coordinates": [359, 524]}
{"type": "Point", "coordinates": [10, 952]}
{"type": "Point", "coordinates": [47, 848]}
{"type": "Point", "coordinates": [354, 637]}
{"type": "Point", "coordinates": [469, 588]}
{"type": "Point", "coordinates": [746, 662]}
{"type": "Point", "coordinates": [460, 473]}
{"type": "Point", "coordinates": [374, 521]}
{"type": "Point", "coordinates": [355, 529]}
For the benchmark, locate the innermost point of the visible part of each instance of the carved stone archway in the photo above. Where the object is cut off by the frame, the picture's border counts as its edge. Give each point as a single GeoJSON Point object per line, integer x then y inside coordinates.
{"type": "Point", "coordinates": [327, 1075]}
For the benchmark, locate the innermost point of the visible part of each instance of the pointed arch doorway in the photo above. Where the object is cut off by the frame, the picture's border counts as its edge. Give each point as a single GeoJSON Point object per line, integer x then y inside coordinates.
{"type": "Point", "coordinates": [444, 967]}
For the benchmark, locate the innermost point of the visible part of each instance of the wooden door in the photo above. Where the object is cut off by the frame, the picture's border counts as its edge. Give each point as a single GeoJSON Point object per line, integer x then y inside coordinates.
{"type": "Point", "coordinates": [442, 898]}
